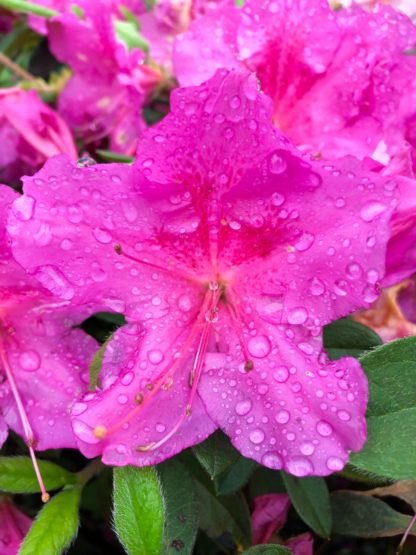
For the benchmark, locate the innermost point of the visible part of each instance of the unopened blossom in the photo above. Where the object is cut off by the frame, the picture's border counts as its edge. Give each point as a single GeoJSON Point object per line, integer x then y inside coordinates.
{"type": "Point", "coordinates": [14, 525]}
{"type": "Point", "coordinates": [269, 516]}
{"type": "Point", "coordinates": [43, 359]}
{"type": "Point", "coordinates": [106, 94]}
{"type": "Point", "coordinates": [393, 315]}
{"type": "Point", "coordinates": [30, 133]}
{"type": "Point", "coordinates": [227, 250]}
{"type": "Point", "coordinates": [341, 82]}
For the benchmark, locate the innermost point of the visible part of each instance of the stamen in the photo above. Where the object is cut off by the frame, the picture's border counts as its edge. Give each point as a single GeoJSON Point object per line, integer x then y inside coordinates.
{"type": "Point", "coordinates": [165, 379]}
{"type": "Point", "coordinates": [237, 321]}
{"type": "Point", "coordinates": [30, 440]}
{"type": "Point", "coordinates": [120, 251]}
{"type": "Point", "coordinates": [195, 375]}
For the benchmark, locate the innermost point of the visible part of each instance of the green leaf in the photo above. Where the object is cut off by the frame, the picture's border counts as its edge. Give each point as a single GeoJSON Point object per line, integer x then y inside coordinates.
{"type": "Point", "coordinates": [138, 510]}
{"type": "Point", "coordinates": [268, 549]}
{"type": "Point", "coordinates": [56, 525]}
{"type": "Point", "coordinates": [128, 33]}
{"type": "Point", "coordinates": [181, 509]}
{"type": "Point", "coordinates": [235, 477]}
{"type": "Point", "coordinates": [111, 156]}
{"type": "Point", "coordinates": [348, 338]}
{"type": "Point", "coordinates": [216, 454]}
{"type": "Point", "coordinates": [27, 7]}
{"type": "Point", "coordinates": [310, 497]}
{"type": "Point", "coordinates": [391, 413]}
{"type": "Point", "coordinates": [18, 476]}
{"type": "Point", "coordinates": [365, 517]}
{"type": "Point", "coordinates": [95, 366]}
{"type": "Point", "coordinates": [225, 514]}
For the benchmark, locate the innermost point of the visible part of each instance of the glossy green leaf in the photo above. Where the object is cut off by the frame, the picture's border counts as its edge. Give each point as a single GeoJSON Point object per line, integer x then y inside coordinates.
{"type": "Point", "coordinates": [310, 497]}
{"type": "Point", "coordinates": [348, 338]}
{"type": "Point", "coordinates": [268, 549]}
{"type": "Point", "coordinates": [138, 510]}
{"type": "Point", "coordinates": [235, 477]}
{"type": "Point", "coordinates": [181, 508]}
{"type": "Point", "coordinates": [365, 517]}
{"type": "Point", "coordinates": [391, 413]}
{"type": "Point", "coordinates": [55, 526]}
{"type": "Point", "coordinates": [216, 454]}
{"type": "Point", "coordinates": [17, 475]}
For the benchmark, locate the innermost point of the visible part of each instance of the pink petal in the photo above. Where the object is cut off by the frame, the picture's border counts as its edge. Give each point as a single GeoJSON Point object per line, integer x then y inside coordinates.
{"type": "Point", "coordinates": [14, 525]}
{"type": "Point", "coordinates": [301, 545]}
{"type": "Point", "coordinates": [269, 515]}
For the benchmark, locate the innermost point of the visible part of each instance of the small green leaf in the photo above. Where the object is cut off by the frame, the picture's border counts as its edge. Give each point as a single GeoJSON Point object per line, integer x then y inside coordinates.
{"type": "Point", "coordinates": [128, 33]}
{"type": "Point", "coordinates": [365, 517]}
{"type": "Point", "coordinates": [348, 338]}
{"type": "Point", "coordinates": [95, 366]}
{"type": "Point", "coordinates": [55, 526]}
{"type": "Point", "coordinates": [17, 475]}
{"type": "Point", "coordinates": [268, 549]}
{"type": "Point", "coordinates": [111, 156]}
{"type": "Point", "coordinates": [138, 510]}
{"type": "Point", "coordinates": [310, 497]}
{"type": "Point", "coordinates": [216, 454]}
{"type": "Point", "coordinates": [181, 509]}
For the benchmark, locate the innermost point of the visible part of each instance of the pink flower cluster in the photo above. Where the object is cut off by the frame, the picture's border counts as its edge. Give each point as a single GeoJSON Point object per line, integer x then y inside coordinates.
{"type": "Point", "coordinates": [276, 196]}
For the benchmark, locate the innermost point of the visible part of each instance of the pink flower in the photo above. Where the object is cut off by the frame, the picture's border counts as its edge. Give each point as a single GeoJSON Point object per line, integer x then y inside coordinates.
{"type": "Point", "coordinates": [227, 250]}
{"type": "Point", "coordinates": [43, 360]}
{"type": "Point", "coordinates": [30, 132]}
{"type": "Point", "coordinates": [406, 6]}
{"type": "Point", "coordinates": [269, 516]}
{"type": "Point", "coordinates": [339, 81]}
{"type": "Point", "coordinates": [104, 98]}
{"type": "Point", "coordinates": [14, 525]}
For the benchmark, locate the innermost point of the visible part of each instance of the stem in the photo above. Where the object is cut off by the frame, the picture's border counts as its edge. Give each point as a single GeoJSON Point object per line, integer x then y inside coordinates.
{"type": "Point", "coordinates": [91, 470]}
{"type": "Point", "coordinates": [27, 7]}
{"type": "Point", "coordinates": [16, 69]}
{"type": "Point", "coordinates": [407, 532]}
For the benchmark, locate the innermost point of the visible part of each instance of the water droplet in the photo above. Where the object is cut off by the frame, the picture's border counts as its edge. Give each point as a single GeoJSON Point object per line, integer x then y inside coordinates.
{"type": "Point", "coordinates": [344, 415]}
{"type": "Point", "coordinates": [297, 316]}
{"type": "Point", "coordinates": [184, 303]}
{"type": "Point", "coordinates": [305, 241]}
{"type": "Point", "coordinates": [371, 210]}
{"type": "Point", "coordinates": [277, 164]}
{"type": "Point", "coordinates": [307, 448]}
{"type": "Point", "coordinates": [243, 407]}
{"type": "Point", "coordinates": [316, 287]}
{"type": "Point", "coordinates": [122, 399]}
{"type": "Point", "coordinates": [235, 102]}
{"type": "Point", "coordinates": [102, 235]}
{"type": "Point", "coordinates": [341, 288]}
{"type": "Point", "coordinates": [282, 417]}
{"type": "Point", "coordinates": [324, 428]}
{"type": "Point", "coordinates": [75, 214]}
{"type": "Point", "coordinates": [281, 374]}
{"type": "Point", "coordinates": [370, 293]}
{"type": "Point", "coordinates": [160, 428]}
{"type": "Point", "coordinates": [29, 361]}
{"type": "Point", "coordinates": [127, 378]}
{"type": "Point", "coordinates": [272, 460]}
{"type": "Point", "coordinates": [155, 356]}
{"type": "Point", "coordinates": [259, 346]}
{"type": "Point", "coordinates": [354, 270]}
{"type": "Point", "coordinates": [24, 207]}
{"type": "Point", "coordinates": [299, 467]}
{"type": "Point", "coordinates": [84, 432]}
{"type": "Point", "coordinates": [235, 225]}
{"type": "Point", "coordinates": [78, 408]}
{"type": "Point", "coordinates": [256, 436]}
{"type": "Point", "coordinates": [66, 244]}
{"type": "Point", "coordinates": [211, 315]}
{"type": "Point", "coordinates": [277, 199]}
{"type": "Point", "coordinates": [335, 464]}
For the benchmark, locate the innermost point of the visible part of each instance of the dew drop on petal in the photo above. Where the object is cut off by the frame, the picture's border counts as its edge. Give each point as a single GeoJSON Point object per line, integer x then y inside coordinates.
{"type": "Point", "coordinates": [256, 436]}
{"type": "Point", "coordinates": [78, 408]}
{"type": "Point", "coordinates": [84, 432]}
{"type": "Point", "coordinates": [354, 270]}
{"type": "Point", "coordinates": [282, 417]}
{"type": "Point", "coordinates": [304, 242]}
{"type": "Point", "coordinates": [127, 378]}
{"type": "Point", "coordinates": [184, 303]}
{"type": "Point", "coordinates": [335, 464]}
{"type": "Point", "coordinates": [155, 356]}
{"type": "Point", "coordinates": [277, 199]}
{"type": "Point", "coordinates": [29, 361]}
{"type": "Point", "coordinates": [243, 407]}
{"type": "Point", "coordinates": [299, 467]}
{"type": "Point", "coordinates": [323, 428]}
{"type": "Point", "coordinates": [307, 448]}
{"type": "Point", "coordinates": [344, 415]}
{"type": "Point", "coordinates": [101, 235]}
{"type": "Point", "coordinates": [24, 207]}
{"type": "Point", "coordinates": [277, 164]}
{"type": "Point", "coordinates": [259, 346]}
{"type": "Point", "coordinates": [297, 316]}
{"type": "Point", "coordinates": [371, 210]}
{"type": "Point", "coordinates": [316, 287]}
{"type": "Point", "coordinates": [281, 374]}
{"type": "Point", "coordinates": [272, 460]}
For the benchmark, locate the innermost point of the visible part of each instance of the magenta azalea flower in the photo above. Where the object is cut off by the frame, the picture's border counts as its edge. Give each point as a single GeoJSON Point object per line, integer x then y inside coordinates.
{"type": "Point", "coordinates": [43, 360]}
{"type": "Point", "coordinates": [30, 132]}
{"type": "Point", "coordinates": [269, 514]}
{"type": "Point", "coordinates": [14, 525]}
{"type": "Point", "coordinates": [227, 250]}
{"type": "Point", "coordinates": [104, 98]}
{"type": "Point", "coordinates": [340, 81]}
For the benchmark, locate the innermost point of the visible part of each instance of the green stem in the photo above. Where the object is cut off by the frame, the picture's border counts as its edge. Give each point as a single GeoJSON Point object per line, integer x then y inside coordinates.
{"type": "Point", "coordinates": [27, 7]}
{"type": "Point", "coordinates": [91, 470]}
